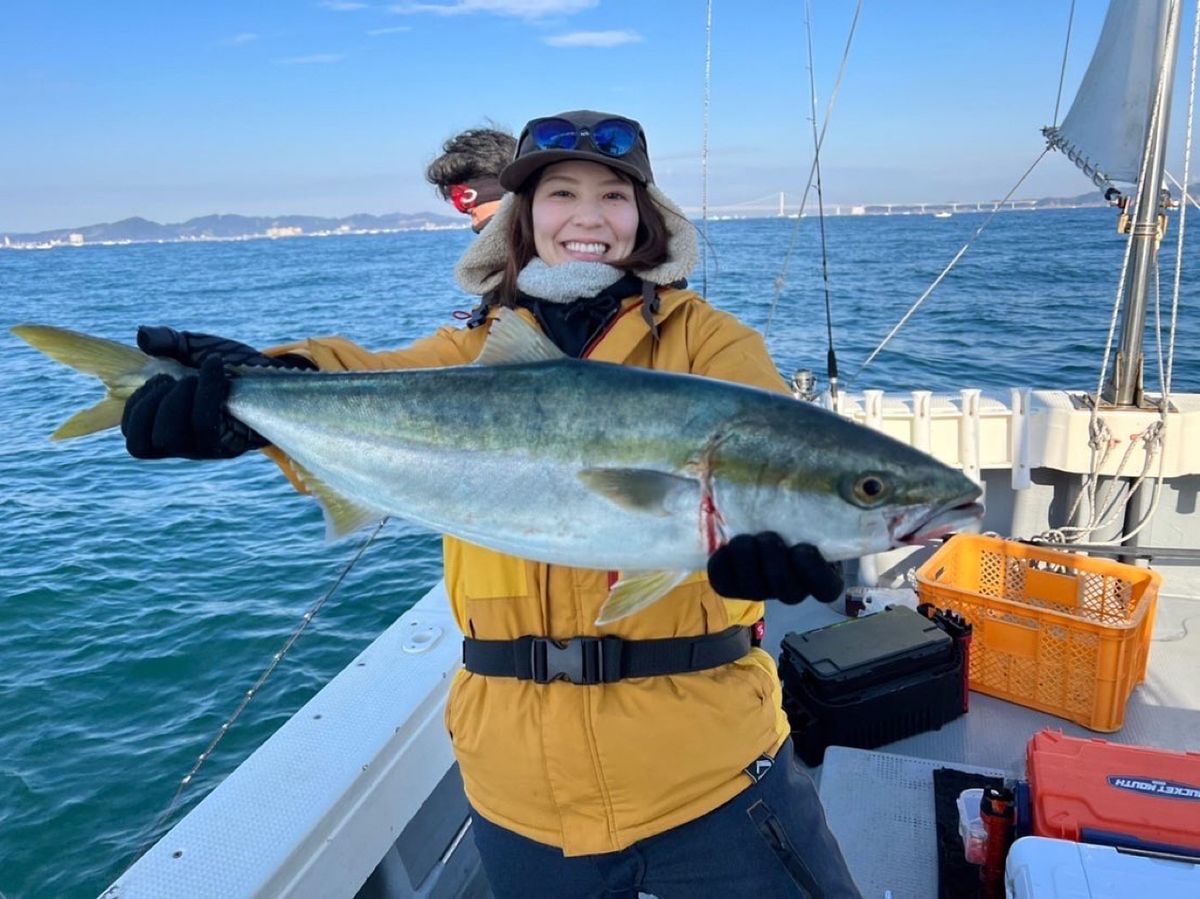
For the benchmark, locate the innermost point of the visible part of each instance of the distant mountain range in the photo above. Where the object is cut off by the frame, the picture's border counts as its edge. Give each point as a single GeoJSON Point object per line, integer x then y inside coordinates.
{"type": "Point", "coordinates": [230, 227]}
{"type": "Point", "coordinates": [242, 227]}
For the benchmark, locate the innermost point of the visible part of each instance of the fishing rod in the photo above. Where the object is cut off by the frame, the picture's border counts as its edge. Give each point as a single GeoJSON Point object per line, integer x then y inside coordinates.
{"type": "Point", "coordinates": [831, 356]}
{"type": "Point", "coordinates": [306, 619]}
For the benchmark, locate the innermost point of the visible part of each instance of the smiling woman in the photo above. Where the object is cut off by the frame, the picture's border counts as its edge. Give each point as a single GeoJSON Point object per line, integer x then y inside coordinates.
{"type": "Point", "coordinates": [622, 732]}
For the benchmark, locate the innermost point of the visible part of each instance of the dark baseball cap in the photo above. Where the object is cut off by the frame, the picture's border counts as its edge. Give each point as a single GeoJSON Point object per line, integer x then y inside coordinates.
{"type": "Point", "coordinates": [610, 140]}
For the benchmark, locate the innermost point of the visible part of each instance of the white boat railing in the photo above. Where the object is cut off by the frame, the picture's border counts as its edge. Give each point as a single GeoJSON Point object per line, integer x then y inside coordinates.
{"type": "Point", "coordinates": [314, 809]}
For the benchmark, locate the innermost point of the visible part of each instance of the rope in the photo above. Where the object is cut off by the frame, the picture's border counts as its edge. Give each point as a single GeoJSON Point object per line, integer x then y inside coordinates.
{"type": "Point", "coordinates": [781, 278]}
{"type": "Point", "coordinates": [276, 659]}
{"type": "Point", "coordinates": [957, 256]}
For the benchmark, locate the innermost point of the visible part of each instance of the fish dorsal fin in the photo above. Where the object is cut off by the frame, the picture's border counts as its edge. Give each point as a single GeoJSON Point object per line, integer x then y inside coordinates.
{"type": "Point", "coordinates": [342, 515]}
{"type": "Point", "coordinates": [636, 590]}
{"type": "Point", "coordinates": [512, 339]}
{"type": "Point", "coordinates": [637, 489]}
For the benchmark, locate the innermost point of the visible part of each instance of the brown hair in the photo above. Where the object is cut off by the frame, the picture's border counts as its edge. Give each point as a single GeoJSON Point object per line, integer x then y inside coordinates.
{"type": "Point", "coordinates": [649, 244]}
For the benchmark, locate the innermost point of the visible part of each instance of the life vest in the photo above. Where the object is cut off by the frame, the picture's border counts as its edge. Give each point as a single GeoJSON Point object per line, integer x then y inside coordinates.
{"type": "Point", "coordinates": [593, 769]}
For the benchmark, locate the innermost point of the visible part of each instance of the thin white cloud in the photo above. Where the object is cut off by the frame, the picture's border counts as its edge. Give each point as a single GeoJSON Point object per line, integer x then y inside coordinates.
{"type": "Point", "coordinates": [594, 39]}
{"type": "Point", "coordinates": [395, 29]}
{"type": "Point", "coordinates": [343, 5]}
{"type": "Point", "coordinates": [237, 40]}
{"type": "Point", "coordinates": [313, 59]}
{"type": "Point", "coordinates": [520, 9]}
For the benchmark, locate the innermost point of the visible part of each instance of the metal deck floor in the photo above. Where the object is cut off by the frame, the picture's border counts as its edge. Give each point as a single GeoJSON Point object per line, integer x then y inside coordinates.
{"type": "Point", "coordinates": [880, 803]}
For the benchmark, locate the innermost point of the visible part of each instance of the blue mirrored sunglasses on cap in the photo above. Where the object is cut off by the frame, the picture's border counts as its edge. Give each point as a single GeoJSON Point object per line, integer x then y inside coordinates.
{"type": "Point", "coordinates": [612, 137]}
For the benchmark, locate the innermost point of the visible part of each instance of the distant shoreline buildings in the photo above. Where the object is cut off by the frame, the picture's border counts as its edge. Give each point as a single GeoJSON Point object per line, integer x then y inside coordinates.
{"type": "Point", "coordinates": [237, 228]}
{"type": "Point", "coordinates": [226, 228]}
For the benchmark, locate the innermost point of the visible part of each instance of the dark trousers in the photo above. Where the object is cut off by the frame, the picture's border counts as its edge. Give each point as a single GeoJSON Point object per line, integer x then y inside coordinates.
{"type": "Point", "coordinates": [769, 841]}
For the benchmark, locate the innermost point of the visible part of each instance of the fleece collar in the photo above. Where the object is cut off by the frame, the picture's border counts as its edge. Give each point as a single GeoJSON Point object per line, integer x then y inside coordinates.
{"type": "Point", "coordinates": [480, 268]}
{"type": "Point", "coordinates": [567, 281]}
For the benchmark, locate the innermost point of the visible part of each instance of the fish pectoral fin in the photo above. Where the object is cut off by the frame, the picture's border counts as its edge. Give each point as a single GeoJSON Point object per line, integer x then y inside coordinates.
{"type": "Point", "coordinates": [637, 489]}
{"type": "Point", "coordinates": [512, 339]}
{"type": "Point", "coordinates": [636, 590]}
{"type": "Point", "coordinates": [342, 515]}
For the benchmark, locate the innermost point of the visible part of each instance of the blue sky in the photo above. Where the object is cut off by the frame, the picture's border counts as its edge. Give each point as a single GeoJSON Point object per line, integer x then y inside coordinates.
{"type": "Point", "coordinates": [172, 110]}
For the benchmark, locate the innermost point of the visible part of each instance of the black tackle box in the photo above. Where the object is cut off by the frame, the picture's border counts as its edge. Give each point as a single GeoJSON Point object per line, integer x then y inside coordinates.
{"type": "Point", "coordinates": [868, 681]}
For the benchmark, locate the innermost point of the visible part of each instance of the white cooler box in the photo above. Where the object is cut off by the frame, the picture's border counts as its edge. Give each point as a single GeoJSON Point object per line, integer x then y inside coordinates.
{"type": "Point", "coordinates": [1042, 868]}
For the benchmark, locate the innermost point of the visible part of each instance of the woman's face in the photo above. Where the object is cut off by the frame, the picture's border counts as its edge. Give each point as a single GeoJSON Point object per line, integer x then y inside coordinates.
{"type": "Point", "coordinates": [583, 211]}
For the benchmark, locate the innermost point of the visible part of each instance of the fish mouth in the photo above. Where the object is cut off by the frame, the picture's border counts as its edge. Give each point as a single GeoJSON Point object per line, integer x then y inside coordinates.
{"type": "Point", "coordinates": [960, 513]}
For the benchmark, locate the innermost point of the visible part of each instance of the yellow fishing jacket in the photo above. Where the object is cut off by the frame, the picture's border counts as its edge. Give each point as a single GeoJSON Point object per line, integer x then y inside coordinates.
{"type": "Point", "coordinates": [595, 768]}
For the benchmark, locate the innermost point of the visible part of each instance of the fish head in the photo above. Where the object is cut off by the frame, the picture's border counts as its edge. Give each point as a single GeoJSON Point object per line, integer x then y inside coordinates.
{"type": "Point", "coordinates": [872, 493]}
{"type": "Point", "coordinates": [909, 505]}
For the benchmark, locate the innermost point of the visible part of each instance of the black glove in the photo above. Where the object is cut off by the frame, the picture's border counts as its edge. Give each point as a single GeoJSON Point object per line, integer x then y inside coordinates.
{"type": "Point", "coordinates": [762, 566]}
{"type": "Point", "coordinates": [186, 418]}
{"type": "Point", "coordinates": [192, 348]}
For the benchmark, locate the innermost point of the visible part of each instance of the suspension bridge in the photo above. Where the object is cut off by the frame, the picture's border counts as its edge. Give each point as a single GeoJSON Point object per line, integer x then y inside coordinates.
{"type": "Point", "coordinates": [776, 205]}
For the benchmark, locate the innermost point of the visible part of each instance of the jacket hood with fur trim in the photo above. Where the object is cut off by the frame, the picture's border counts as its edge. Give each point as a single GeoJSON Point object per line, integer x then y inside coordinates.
{"type": "Point", "coordinates": [481, 266]}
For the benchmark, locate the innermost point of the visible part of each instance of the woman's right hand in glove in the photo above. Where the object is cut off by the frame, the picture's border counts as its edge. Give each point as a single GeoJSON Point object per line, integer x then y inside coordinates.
{"type": "Point", "coordinates": [186, 418]}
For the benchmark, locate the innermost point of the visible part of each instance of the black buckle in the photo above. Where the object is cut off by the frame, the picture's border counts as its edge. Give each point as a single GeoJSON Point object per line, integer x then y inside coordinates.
{"type": "Point", "coordinates": [579, 660]}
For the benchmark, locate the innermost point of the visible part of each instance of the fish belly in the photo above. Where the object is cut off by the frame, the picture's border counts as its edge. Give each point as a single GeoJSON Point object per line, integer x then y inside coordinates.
{"type": "Point", "coordinates": [519, 501]}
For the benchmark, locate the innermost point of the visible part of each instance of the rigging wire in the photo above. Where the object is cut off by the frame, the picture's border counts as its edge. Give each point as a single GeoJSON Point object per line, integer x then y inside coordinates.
{"type": "Point", "coordinates": [276, 659]}
{"type": "Point", "coordinates": [945, 271]}
{"type": "Point", "coordinates": [704, 147]}
{"type": "Point", "coordinates": [831, 358]}
{"type": "Point", "coordinates": [781, 278]}
{"type": "Point", "coordinates": [1155, 112]}
{"type": "Point", "coordinates": [1153, 435]}
{"type": "Point", "coordinates": [962, 251]}
{"type": "Point", "coordinates": [1062, 74]}
{"type": "Point", "coordinates": [1187, 166]}
{"type": "Point", "coordinates": [1166, 376]}
{"type": "Point", "coordinates": [1184, 195]}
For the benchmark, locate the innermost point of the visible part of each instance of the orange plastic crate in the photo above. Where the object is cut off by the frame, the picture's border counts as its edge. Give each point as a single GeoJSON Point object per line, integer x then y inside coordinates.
{"type": "Point", "coordinates": [1059, 632]}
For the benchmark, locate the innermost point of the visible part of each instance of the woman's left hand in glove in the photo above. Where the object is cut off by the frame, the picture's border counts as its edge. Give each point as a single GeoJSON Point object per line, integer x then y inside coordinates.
{"type": "Point", "coordinates": [763, 566]}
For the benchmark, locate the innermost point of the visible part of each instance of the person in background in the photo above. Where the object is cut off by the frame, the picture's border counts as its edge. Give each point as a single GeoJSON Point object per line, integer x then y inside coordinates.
{"type": "Point", "coordinates": [467, 173]}
{"type": "Point", "coordinates": [657, 759]}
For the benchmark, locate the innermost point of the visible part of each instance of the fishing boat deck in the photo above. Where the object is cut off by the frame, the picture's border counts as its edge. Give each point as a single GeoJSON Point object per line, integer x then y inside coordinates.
{"type": "Point", "coordinates": [880, 803]}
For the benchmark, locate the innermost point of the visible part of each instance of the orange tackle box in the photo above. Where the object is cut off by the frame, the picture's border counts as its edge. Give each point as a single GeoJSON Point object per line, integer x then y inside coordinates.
{"type": "Point", "coordinates": [1094, 791]}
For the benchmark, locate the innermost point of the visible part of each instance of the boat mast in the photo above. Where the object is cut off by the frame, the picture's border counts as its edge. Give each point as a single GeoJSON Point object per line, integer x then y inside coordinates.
{"type": "Point", "coordinates": [1125, 387]}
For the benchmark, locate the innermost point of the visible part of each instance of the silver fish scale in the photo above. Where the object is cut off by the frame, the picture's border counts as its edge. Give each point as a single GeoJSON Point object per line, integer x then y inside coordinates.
{"type": "Point", "coordinates": [493, 455]}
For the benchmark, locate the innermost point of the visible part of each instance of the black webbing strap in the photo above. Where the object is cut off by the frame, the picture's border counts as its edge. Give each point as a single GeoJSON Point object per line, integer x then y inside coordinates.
{"type": "Point", "coordinates": [650, 307]}
{"type": "Point", "coordinates": [602, 660]}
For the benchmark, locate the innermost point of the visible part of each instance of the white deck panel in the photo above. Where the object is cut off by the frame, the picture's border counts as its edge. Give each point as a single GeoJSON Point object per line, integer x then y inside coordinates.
{"type": "Point", "coordinates": [315, 808]}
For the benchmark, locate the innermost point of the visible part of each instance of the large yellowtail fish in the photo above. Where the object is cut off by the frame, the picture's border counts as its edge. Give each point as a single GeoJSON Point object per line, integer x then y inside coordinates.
{"type": "Point", "coordinates": [569, 462]}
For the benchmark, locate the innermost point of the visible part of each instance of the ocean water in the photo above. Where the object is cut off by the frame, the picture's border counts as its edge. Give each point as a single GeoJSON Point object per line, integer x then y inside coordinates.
{"type": "Point", "coordinates": [140, 600]}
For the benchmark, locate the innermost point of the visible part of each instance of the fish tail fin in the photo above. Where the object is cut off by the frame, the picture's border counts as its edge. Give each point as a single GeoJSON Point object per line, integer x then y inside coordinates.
{"type": "Point", "coordinates": [116, 364]}
{"type": "Point", "coordinates": [100, 417]}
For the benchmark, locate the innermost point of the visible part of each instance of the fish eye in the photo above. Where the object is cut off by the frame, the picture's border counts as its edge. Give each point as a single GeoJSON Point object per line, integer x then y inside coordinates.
{"type": "Point", "coordinates": [870, 489]}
